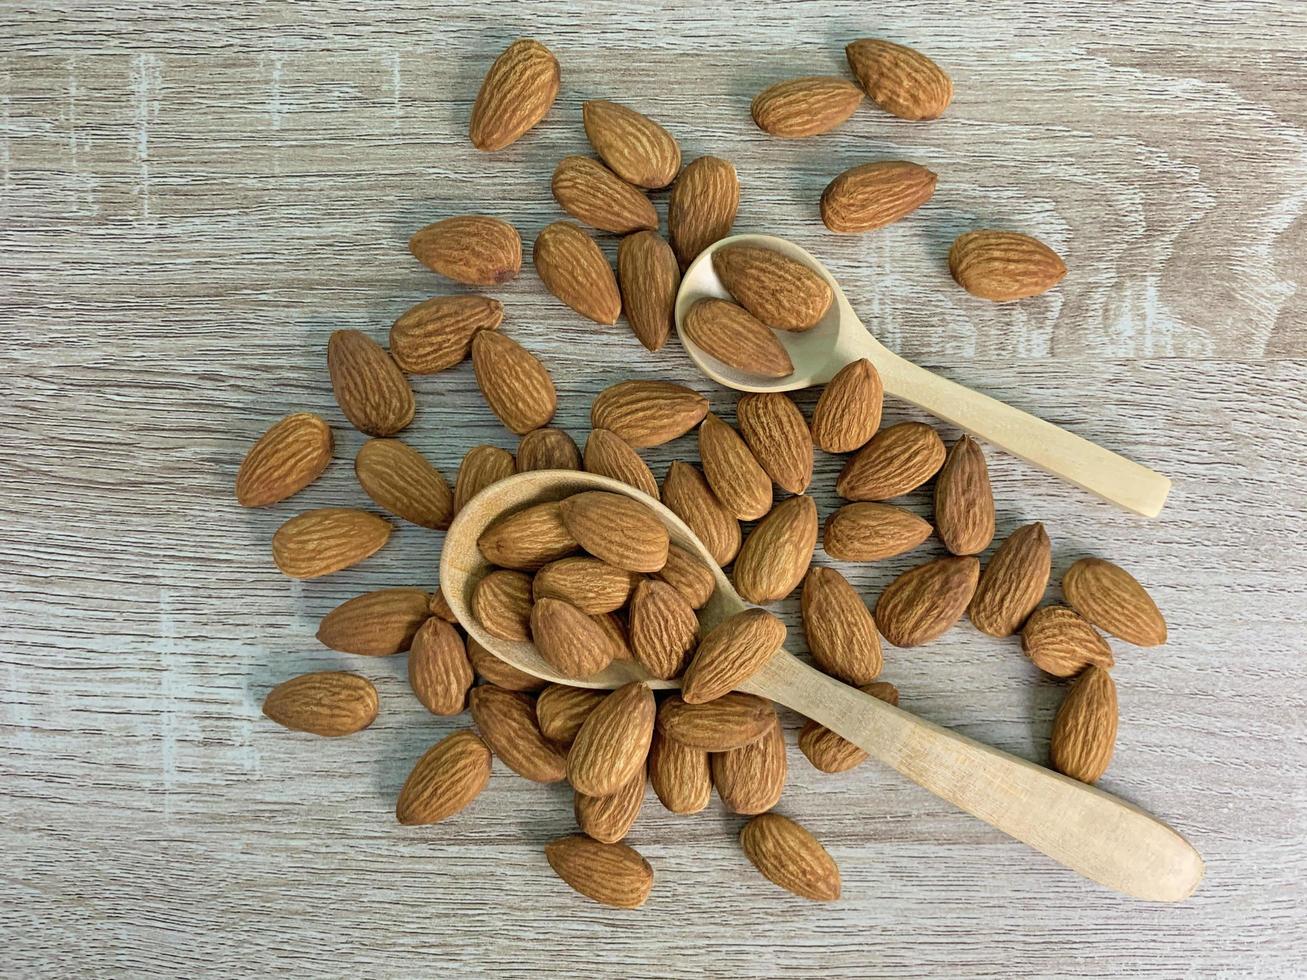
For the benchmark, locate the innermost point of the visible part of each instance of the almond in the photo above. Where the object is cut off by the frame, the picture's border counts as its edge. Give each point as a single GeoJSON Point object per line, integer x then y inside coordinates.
{"type": "Point", "coordinates": [1061, 642]}
{"type": "Point", "coordinates": [899, 79]}
{"type": "Point", "coordinates": [614, 628]}
{"type": "Point", "coordinates": [732, 335]}
{"type": "Point", "coordinates": [688, 576]}
{"type": "Point", "coordinates": [720, 725]}
{"type": "Point", "coordinates": [613, 743]}
{"type": "Point", "coordinates": [649, 276]}
{"type": "Point", "coordinates": [449, 776]}
{"type": "Point", "coordinates": [780, 291]}
{"type": "Point", "coordinates": [874, 195]}
{"type": "Point", "coordinates": [507, 721]}
{"type": "Point", "coordinates": [569, 639]}
{"type": "Point", "coordinates": [561, 710]}
{"type": "Point", "coordinates": [750, 779]}
{"type": "Point", "coordinates": [436, 335]}
{"type": "Point", "coordinates": [285, 460]}
{"type": "Point", "coordinates": [439, 607]}
{"type": "Point", "coordinates": [400, 479]}
{"type": "Point", "coordinates": [593, 586]}
{"type": "Point", "coordinates": [964, 502]}
{"type": "Point", "coordinates": [611, 874]}
{"type": "Point", "coordinates": [439, 671]}
{"type": "Point", "coordinates": [516, 386]}
{"type": "Point", "coordinates": [482, 466]}
{"type": "Point", "coordinates": [922, 603]}
{"type": "Point", "coordinates": [590, 192]}
{"type": "Point", "coordinates": [1013, 582]}
{"type": "Point", "coordinates": [473, 249]}
{"type": "Point", "coordinates": [687, 494]}
{"type": "Point", "coordinates": [664, 628]}
{"type": "Point", "coordinates": [740, 483]}
{"type": "Point", "coordinates": [789, 856]}
{"type": "Point", "coordinates": [528, 539]}
{"type": "Point", "coordinates": [775, 430]}
{"type": "Point", "coordinates": [870, 532]}
{"type": "Point", "coordinates": [899, 459]}
{"type": "Point", "coordinates": [502, 605]}
{"type": "Point", "coordinates": [369, 387]}
{"type": "Point", "coordinates": [375, 624]}
{"type": "Point", "coordinates": [319, 542]}
{"type": "Point", "coordinates": [547, 449]}
{"type": "Point", "coordinates": [702, 206]}
{"type": "Point", "coordinates": [732, 652]}
{"type": "Point", "coordinates": [329, 702]}
{"type": "Point", "coordinates": [848, 412]}
{"type": "Point", "coordinates": [574, 268]}
{"type": "Point", "coordinates": [829, 752]}
{"type": "Point", "coordinates": [1114, 601]}
{"type": "Point", "coordinates": [1084, 731]}
{"type": "Point", "coordinates": [1004, 265]}
{"type": "Point", "coordinates": [616, 528]}
{"type": "Point", "coordinates": [609, 818]}
{"type": "Point", "coordinates": [679, 774]}
{"type": "Point", "coordinates": [636, 148]}
{"type": "Point", "coordinates": [776, 555]}
{"type": "Point", "coordinates": [516, 94]}
{"type": "Point", "coordinates": [805, 106]}
{"type": "Point", "coordinates": [647, 413]}
{"type": "Point", "coordinates": [842, 635]}
{"type": "Point", "coordinates": [607, 454]}
{"type": "Point", "coordinates": [494, 671]}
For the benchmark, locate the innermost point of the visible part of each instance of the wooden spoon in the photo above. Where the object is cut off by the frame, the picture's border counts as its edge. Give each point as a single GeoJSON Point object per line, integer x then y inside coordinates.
{"type": "Point", "coordinates": [1092, 832]}
{"type": "Point", "coordinates": [819, 353]}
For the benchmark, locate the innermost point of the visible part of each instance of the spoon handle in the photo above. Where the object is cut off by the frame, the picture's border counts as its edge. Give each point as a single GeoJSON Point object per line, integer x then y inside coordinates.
{"type": "Point", "coordinates": [1102, 837]}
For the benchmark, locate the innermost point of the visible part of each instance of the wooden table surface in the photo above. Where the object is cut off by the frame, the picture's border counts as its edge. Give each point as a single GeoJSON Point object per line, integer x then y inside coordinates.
{"type": "Point", "coordinates": [194, 195]}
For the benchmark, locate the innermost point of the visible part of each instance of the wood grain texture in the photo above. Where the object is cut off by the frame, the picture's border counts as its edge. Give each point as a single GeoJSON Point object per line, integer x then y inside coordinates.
{"type": "Point", "coordinates": [193, 196]}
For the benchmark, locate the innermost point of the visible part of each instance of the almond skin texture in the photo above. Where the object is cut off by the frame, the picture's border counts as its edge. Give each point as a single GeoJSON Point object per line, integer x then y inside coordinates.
{"type": "Point", "coordinates": [502, 605]}
{"type": "Point", "coordinates": [569, 639]}
{"type": "Point", "coordinates": [720, 725]}
{"type": "Point", "coordinates": [574, 268]}
{"type": "Point", "coordinates": [922, 603]}
{"type": "Point", "coordinates": [319, 542]}
{"type": "Point", "coordinates": [777, 553]}
{"type": "Point", "coordinates": [516, 385]}
{"type": "Point", "coordinates": [611, 874]}
{"type": "Point", "coordinates": [528, 539]}
{"type": "Point", "coordinates": [874, 195]}
{"type": "Point", "coordinates": [899, 79]}
{"type": "Point", "coordinates": [375, 624]}
{"type": "Point", "coordinates": [613, 743]}
{"type": "Point", "coordinates": [547, 449]}
{"type": "Point", "coordinates": [702, 206]}
{"type": "Point", "coordinates": [593, 586]}
{"type": "Point", "coordinates": [898, 460]}
{"type": "Point", "coordinates": [688, 576]}
{"type": "Point", "coordinates": [439, 671]}
{"type": "Point", "coordinates": [964, 502]}
{"type": "Point", "coordinates": [482, 466]}
{"type": "Point", "coordinates": [647, 413]}
{"type": "Point", "coordinates": [664, 628]}
{"type": "Point", "coordinates": [649, 276]}
{"type": "Point", "coordinates": [777, 433]}
{"type": "Point", "coordinates": [780, 291]}
{"type": "Point", "coordinates": [1061, 642]}
{"type": "Point", "coordinates": [439, 607]}
{"type": "Point", "coordinates": [617, 529]}
{"type": "Point", "coordinates": [1114, 601]}
{"type": "Point", "coordinates": [829, 752]}
{"type": "Point", "coordinates": [743, 486]}
{"type": "Point", "coordinates": [870, 532]}
{"type": "Point", "coordinates": [1013, 582]}
{"type": "Point", "coordinates": [732, 652]}
{"type": "Point", "coordinates": [789, 856]}
{"type": "Point", "coordinates": [842, 635]}
{"type": "Point", "coordinates": [516, 94]}
{"type": "Point", "coordinates": [1004, 265]}
{"type": "Point", "coordinates": [732, 335]}
{"type": "Point", "coordinates": [1084, 731]}
{"type": "Point", "coordinates": [561, 710]}
{"type": "Point", "coordinates": [449, 776]}
{"type": "Point", "coordinates": [473, 249]}
{"type": "Point", "coordinates": [614, 627]}
{"type": "Point", "coordinates": [635, 147]}
{"type": "Point", "coordinates": [750, 779]}
{"type": "Point", "coordinates": [494, 671]}
{"type": "Point", "coordinates": [687, 494]}
{"type": "Point", "coordinates": [679, 774]}
{"type": "Point", "coordinates": [507, 722]}
{"type": "Point", "coordinates": [329, 702]}
{"type": "Point", "coordinates": [285, 460]}
{"type": "Point", "coordinates": [805, 106]}
{"type": "Point", "coordinates": [402, 480]}
{"type": "Point", "coordinates": [436, 335]}
{"type": "Point", "coordinates": [609, 818]}
{"type": "Point", "coordinates": [593, 194]}
{"type": "Point", "coordinates": [847, 415]}
{"type": "Point", "coordinates": [608, 454]}
{"type": "Point", "coordinates": [369, 387]}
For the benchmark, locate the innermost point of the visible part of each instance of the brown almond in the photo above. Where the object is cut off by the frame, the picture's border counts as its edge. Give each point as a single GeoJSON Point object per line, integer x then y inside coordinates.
{"type": "Point", "coordinates": [608, 454]}
{"type": "Point", "coordinates": [285, 460]}
{"type": "Point", "coordinates": [874, 195]}
{"type": "Point", "coordinates": [439, 607]}
{"type": "Point", "coordinates": [924, 602]}
{"type": "Point", "coordinates": [664, 628]}
{"type": "Point", "coordinates": [777, 553]}
{"type": "Point", "coordinates": [500, 673]}
{"type": "Point", "coordinates": [791, 857]}
{"type": "Point", "coordinates": [528, 539]}
{"type": "Point", "coordinates": [805, 106]}
{"type": "Point", "coordinates": [593, 194]}
{"type": "Point", "coordinates": [1061, 642]}
{"type": "Point", "coordinates": [899, 79]}
{"type": "Point", "coordinates": [732, 335]}
{"type": "Point", "coordinates": [507, 722]}
{"type": "Point", "coordinates": [569, 639]}
{"type": "Point", "coordinates": [617, 529]}
{"type": "Point", "coordinates": [611, 874]}
{"type": "Point", "coordinates": [369, 387]}
{"type": "Point", "coordinates": [449, 776]}
{"type": "Point", "coordinates": [502, 605]}
{"type": "Point", "coordinates": [964, 502]}
{"type": "Point", "coordinates": [702, 206]}
{"type": "Point", "coordinates": [829, 752]}
{"type": "Point", "coordinates": [547, 449]}
{"type": "Point", "coordinates": [637, 149]}
{"type": "Point", "coordinates": [609, 818]}
{"type": "Point", "coordinates": [375, 624]}
{"type": "Point", "coordinates": [1114, 601]}
{"type": "Point", "coordinates": [649, 276]}
{"type": "Point", "coordinates": [319, 542]}
{"type": "Point", "coordinates": [780, 291]}
{"type": "Point", "coordinates": [899, 459]}
{"type": "Point", "coordinates": [1004, 265]}
{"type": "Point", "coordinates": [614, 627]}
{"type": "Point", "coordinates": [517, 92]}
{"type": "Point", "coordinates": [732, 652]}
{"type": "Point", "coordinates": [777, 433]}
{"type": "Point", "coordinates": [482, 466]}
{"type": "Point", "coordinates": [473, 249]}
{"type": "Point", "coordinates": [439, 671]}
{"type": "Point", "coordinates": [725, 723]}
{"type": "Point", "coordinates": [561, 710]}
{"type": "Point", "coordinates": [870, 532]}
{"type": "Point", "coordinates": [613, 743]}
{"type": "Point", "coordinates": [329, 702]}
{"type": "Point", "coordinates": [400, 479]}
{"type": "Point", "coordinates": [687, 494]}
{"type": "Point", "coordinates": [436, 334]}
{"type": "Point", "coordinates": [1013, 582]}
{"type": "Point", "coordinates": [689, 576]}
{"type": "Point", "coordinates": [679, 774]}
{"type": "Point", "coordinates": [848, 412]}
{"type": "Point", "coordinates": [647, 413]}
{"type": "Point", "coordinates": [841, 631]}
{"type": "Point", "coordinates": [516, 385]}
{"type": "Point", "coordinates": [740, 483]}
{"type": "Point", "coordinates": [750, 779]}
{"type": "Point", "coordinates": [593, 586]}
{"type": "Point", "coordinates": [1084, 731]}
{"type": "Point", "coordinates": [574, 268]}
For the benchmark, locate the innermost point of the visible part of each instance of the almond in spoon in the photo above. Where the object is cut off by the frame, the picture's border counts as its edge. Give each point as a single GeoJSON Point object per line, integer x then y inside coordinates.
{"type": "Point", "coordinates": [573, 642]}
{"type": "Point", "coordinates": [664, 628]}
{"type": "Point", "coordinates": [501, 674]}
{"type": "Point", "coordinates": [528, 539]}
{"type": "Point", "coordinates": [501, 603]}
{"type": "Point", "coordinates": [616, 528]}
{"type": "Point", "coordinates": [593, 586]}
{"type": "Point", "coordinates": [689, 576]}
{"type": "Point", "coordinates": [780, 291]}
{"type": "Point", "coordinates": [736, 338]}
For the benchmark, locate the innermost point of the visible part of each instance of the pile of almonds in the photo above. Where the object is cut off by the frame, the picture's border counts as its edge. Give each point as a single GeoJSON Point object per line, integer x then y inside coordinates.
{"type": "Point", "coordinates": [595, 577]}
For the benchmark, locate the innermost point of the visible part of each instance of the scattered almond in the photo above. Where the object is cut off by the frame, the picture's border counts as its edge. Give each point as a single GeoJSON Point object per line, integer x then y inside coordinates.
{"type": "Point", "coordinates": [593, 586]}
{"type": "Point", "coordinates": [687, 494]}
{"type": "Point", "coordinates": [482, 466]}
{"type": "Point", "coordinates": [1084, 731]}
{"type": "Point", "coordinates": [732, 652]}
{"type": "Point", "coordinates": [400, 479]}
{"type": "Point", "coordinates": [507, 722]}
{"type": "Point", "coordinates": [590, 192]}
{"type": "Point", "coordinates": [473, 249]}
{"type": "Point", "coordinates": [375, 624]}
{"type": "Point", "coordinates": [611, 874]}
{"type": "Point", "coordinates": [1013, 582]}
{"type": "Point", "coordinates": [370, 389]}
{"type": "Point", "coordinates": [841, 631]}
{"type": "Point", "coordinates": [547, 449]}
{"type": "Point", "coordinates": [1061, 642]}
{"type": "Point", "coordinates": [964, 502]}
{"type": "Point", "coordinates": [613, 743]}
{"type": "Point", "coordinates": [569, 639]}
{"type": "Point", "coordinates": [848, 412]}
{"type": "Point", "coordinates": [702, 206]}
{"type": "Point", "coordinates": [647, 413]}
{"type": "Point", "coordinates": [439, 671]}
{"type": "Point", "coordinates": [1114, 601]}
{"type": "Point", "coordinates": [516, 94]}
{"type": "Point", "coordinates": [899, 79]}
{"type": "Point", "coordinates": [664, 628]}
{"type": "Point", "coordinates": [285, 460]}
{"type": "Point", "coordinates": [329, 702]}
{"type": "Point", "coordinates": [680, 775]}
{"type": "Point", "coordinates": [502, 605]}
{"type": "Point", "coordinates": [528, 539]}
{"type": "Point", "coordinates": [609, 818]}
{"type": "Point", "coordinates": [494, 671]}
{"type": "Point", "coordinates": [750, 779]}
{"type": "Point", "coordinates": [608, 454]}
{"type": "Point", "coordinates": [776, 555]}
{"type": "Point", "coordinates": [740, 483]}
{"type": "Point", "coordinates": [1004, 265]}
{"type": "Point", "coordinates": [780, 291]}
{"type": "Point", "coordinates": [922, 603]}
{"type": "Point", "coordinates": [319, 542]}
{"type": "Point", "coordinates": [829, 752]}
{"type": "Point", "coordinates": [805, 106]}
{"type": "Point", "coordinates": [899, 459]}
{"type": "Point", "coordinates": [516, 385]}
{"type": "Point", "coordinates": [637, 149]}
{"type": "Point", "coordinates": [777, 433]}
{"type": "Point", "coordinates": [574, 268]}
{"type": "Point", "coordinates": [436, 334]}
{"type": "Point", "coordinates": [874, 195]}
{"type": "Point", "coordinates": [870, 532]}
{"type": "Point", "coordinates": [449, 776]}
{"type": "Point", "coordinates": [616, 528]}
{"type": "Point", "coordinates": [789, 856]}
{"type": "Point", "coordinates": [561, 710]}
{"type": "Point", "coordinates": [725, 723]}
{"type": "Point", "coordinates": [649, 276]}
{"type": "Point", "coordinates": [688, 576]}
